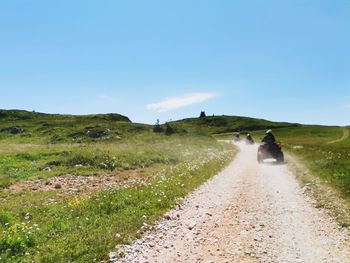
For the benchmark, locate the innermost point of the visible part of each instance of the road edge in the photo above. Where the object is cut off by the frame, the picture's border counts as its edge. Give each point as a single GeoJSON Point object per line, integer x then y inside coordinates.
{"type": "Point", "coordinates": [324, 195]}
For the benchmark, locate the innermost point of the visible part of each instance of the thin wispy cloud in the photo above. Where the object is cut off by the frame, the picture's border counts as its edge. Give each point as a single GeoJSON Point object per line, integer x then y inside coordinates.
{"type": "Point", "coordinates": [347, 106]}
{"type": "Point", "coordinates": [180, 101]}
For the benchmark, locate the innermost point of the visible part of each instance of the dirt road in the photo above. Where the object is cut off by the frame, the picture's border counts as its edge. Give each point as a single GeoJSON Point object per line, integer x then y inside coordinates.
{"type": "Point", "coordinates": [247, 213]}
{"type": "Point", "coordinates": [344, 136]}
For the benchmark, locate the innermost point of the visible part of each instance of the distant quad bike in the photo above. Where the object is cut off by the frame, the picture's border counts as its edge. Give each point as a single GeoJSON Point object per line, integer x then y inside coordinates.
{"type": "Point", "coordinates": [249, 141]}
{"type": "Point", "coordinates": [236, 138]}
{"type": "Point", "coordinates": [271, 150]}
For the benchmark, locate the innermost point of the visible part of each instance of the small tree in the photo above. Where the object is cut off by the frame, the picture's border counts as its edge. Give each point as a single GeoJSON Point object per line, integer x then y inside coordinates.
{"type": "Point", "coordinates": [202, 115]}
{"type": "Point", "coordinates": [157, 128]}
{"type": "Point", "coordinates": [168, 129]}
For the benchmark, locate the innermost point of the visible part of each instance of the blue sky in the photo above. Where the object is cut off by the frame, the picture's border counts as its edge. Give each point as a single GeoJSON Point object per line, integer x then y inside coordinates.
{"type": "Point", "coordinates": [273, 59]}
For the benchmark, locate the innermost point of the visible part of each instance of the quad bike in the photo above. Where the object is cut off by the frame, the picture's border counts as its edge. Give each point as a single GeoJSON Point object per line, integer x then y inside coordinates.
{"type": "Point", "coordinates": [236, 138]}
{"type": "Point", "coordinates": [249, 140]}
{"type": "Point", "coordinates": [271, 150]}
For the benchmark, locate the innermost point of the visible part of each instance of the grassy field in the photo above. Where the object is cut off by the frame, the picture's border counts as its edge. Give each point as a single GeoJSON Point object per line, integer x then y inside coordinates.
{"type": "Point", "coordinates": [76, 198]}
{"type": "Point", "coordinates": [74, 187]}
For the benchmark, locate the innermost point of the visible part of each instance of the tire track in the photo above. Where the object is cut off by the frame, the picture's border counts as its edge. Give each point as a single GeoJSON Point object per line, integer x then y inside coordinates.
{"type": "Point", "coordinates": [344, 137]}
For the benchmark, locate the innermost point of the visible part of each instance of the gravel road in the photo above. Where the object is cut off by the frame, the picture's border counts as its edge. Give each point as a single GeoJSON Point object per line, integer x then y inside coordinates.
{"type": "Point", "coordinates": [249, 212]}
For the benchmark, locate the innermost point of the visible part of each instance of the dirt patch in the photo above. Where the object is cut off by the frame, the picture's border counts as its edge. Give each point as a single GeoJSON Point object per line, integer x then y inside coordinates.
{"type": "Point", "coordinates": [72, 184]}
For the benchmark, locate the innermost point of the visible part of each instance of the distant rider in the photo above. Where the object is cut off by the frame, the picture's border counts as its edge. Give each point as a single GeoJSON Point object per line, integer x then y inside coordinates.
{"type": "Point", "coordinates": [249, 138]}
{"type": "Point", "coordinates": [237, 138]}
{"type": "Point", "coordinates": [269, 138]}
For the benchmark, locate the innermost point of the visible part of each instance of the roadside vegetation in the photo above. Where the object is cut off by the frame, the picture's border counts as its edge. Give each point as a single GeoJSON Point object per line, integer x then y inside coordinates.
{"type": "Point", "coordinates": [76, 198]}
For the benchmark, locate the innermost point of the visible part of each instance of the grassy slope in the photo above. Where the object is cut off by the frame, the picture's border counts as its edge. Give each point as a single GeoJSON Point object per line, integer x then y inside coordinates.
{"type": "Point", "coordinates": [52, 226]}
{"type": "Point", "coordinates": [63, 141]}
{"type": "Point", "coordinates": [226, 124]}
{"type": "Point", "coordinates": [53, 128]}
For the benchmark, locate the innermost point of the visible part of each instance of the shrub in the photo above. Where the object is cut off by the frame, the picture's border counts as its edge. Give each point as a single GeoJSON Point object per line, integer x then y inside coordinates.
{"type": "Point", "coordinates": [168, 129]}
{"type": "Point", "coordinates": [157, 127]}
{"type": "Point", "coordinates": [16, 239]}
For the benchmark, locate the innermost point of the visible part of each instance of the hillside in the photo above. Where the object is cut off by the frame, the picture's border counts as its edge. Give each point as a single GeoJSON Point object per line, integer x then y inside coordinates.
{"type": "Point", "coordinates": [18, 126]}
{"type": "Point", "coordinates": [225, 124]}
{"type": "Point", "coordinates": [31, 115]}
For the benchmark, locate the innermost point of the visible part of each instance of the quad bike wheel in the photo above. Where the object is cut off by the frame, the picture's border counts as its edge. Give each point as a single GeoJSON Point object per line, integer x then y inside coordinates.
{"type": "Point", "coordinates": [280, 157]}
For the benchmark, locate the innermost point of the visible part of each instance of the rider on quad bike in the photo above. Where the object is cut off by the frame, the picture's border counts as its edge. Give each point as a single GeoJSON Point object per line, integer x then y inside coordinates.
{"type": "Point", "coordinates": [270, 149]}
{"type": "Point", "coordinates": [237, 138]}
{"type": "Point", "coordinates": [269, 138]}
{"type": "Point", "coordinates": [249, 139]}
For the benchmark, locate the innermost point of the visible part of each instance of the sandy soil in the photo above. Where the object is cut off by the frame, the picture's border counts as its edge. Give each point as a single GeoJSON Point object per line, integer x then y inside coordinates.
{"type": "Point", "coordinates": [249, 212]}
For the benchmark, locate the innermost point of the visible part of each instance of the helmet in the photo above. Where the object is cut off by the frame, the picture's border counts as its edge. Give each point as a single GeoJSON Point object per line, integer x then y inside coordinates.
{"type": "Point", "coordinates": [268, 131]}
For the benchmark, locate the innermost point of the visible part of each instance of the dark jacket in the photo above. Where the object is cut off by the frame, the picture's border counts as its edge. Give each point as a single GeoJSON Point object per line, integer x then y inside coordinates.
{"type": "Point", "coordinates": [269, 138]}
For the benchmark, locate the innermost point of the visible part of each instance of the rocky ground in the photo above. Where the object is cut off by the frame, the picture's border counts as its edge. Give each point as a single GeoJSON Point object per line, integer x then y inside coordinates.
{"type": "Point", "coordinates": [247, 213]}
{"type": "Point", "coordinates": [73, 184]}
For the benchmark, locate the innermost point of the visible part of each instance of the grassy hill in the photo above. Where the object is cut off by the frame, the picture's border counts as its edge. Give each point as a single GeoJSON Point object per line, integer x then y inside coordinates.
{"type": "Point", "coordinates": [16, 115]}
{"type": "Point", "coordinates": [18, 126]}
{"type": "Point", "coordinates": [226, 124]}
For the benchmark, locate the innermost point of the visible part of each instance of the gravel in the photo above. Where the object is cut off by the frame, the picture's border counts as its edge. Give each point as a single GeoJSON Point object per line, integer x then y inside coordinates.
{"type": "Point", "coordinates": [249, 212]}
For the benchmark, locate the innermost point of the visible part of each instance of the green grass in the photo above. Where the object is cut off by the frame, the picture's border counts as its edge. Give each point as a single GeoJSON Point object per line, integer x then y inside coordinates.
{"type": "Point", "coordinates": [57, 226]}
{"type": "Point", "coordinates": [330, 162]}
{"type": "Point", "coordinates": [50, 226]}
{"type": "Point", "coordinates": [57, 129]}
{"type": "Point", "coordinates": [91, 159]}
{"type": "Point", "coordinates": [226, 124]}
{"type": "Point", "coordinates": [84, 229]}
